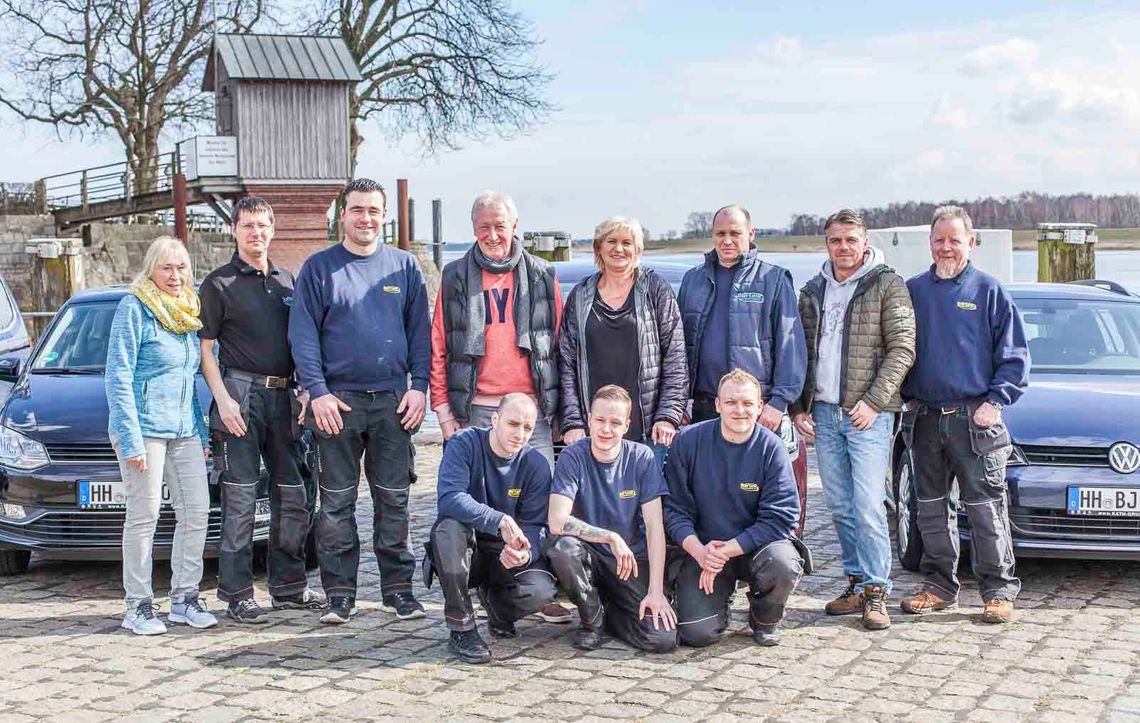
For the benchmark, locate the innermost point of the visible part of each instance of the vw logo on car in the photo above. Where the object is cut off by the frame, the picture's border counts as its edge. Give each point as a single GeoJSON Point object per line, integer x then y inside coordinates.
{"type": "Point", "coordinates": [1124, 457]}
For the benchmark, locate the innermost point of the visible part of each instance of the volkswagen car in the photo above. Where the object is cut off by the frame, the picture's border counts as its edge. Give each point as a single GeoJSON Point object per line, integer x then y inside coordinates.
{"type": "Point", "coordinates": [1074, 470]}
{"type": "Point", "coordinates": [61, 493]}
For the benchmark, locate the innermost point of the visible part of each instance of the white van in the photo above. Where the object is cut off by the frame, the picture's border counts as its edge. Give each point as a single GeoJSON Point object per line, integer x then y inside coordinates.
{"type": "Point", "coordinates": [907, 250]}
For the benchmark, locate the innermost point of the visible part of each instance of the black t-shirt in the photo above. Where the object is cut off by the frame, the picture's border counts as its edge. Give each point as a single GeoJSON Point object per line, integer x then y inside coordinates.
{"type": "Point", "coordinates": [248, 313]}
{"type": "Point", "coordinates": [611, 338]}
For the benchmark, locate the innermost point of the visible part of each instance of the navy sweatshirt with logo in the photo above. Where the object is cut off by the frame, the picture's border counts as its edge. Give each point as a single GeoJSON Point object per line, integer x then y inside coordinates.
{"type": "Point", "coordinates": [360, 323]}
{"type": "Point", "coordinates": [970, 341]}
{"type": "Point", "coordinates": [477, 487]}
{"type": "Point", "coordinates": [719, 490]}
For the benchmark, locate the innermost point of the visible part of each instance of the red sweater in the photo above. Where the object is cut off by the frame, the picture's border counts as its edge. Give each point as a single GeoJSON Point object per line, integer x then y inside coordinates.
{"type": "Point", "coordinates": [504, 368]}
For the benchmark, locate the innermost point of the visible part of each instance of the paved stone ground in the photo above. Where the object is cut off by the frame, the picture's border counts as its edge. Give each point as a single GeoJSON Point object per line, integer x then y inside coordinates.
{"type": "Point", "coordinates": [1073, 654]}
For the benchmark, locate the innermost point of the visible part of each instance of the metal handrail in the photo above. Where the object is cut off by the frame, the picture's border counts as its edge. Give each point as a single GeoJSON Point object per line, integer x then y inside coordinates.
{"type": "Point", "coordinates": [109, 182]}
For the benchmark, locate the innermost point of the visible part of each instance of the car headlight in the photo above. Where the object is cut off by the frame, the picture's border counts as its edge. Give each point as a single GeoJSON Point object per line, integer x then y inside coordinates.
{"type": "Point", "coordinates": [14, 512]}
{"type": "Point", "coordinates": [1017, 458]}
{"type": "Point", "coordinates": [20, 452]}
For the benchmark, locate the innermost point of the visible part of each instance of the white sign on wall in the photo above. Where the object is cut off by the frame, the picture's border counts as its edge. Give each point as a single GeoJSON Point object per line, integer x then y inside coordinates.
{"type": "Point", "coordinates": [205, 156]}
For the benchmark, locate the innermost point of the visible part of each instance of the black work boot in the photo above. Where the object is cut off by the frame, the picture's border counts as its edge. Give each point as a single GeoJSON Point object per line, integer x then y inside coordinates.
{"type": "Point", "coordinates": [469, 647]}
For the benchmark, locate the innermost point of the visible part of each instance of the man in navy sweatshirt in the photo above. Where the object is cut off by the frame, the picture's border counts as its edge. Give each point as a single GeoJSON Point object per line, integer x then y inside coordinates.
{"type": "Point", "coordinates": [733, 508]}
{"type": "Point", "coordinates": [492, 500]}
{"type": "Point", "coordinates": [359, 328]}
{"type": "Point", "coordinates": [971, 360]}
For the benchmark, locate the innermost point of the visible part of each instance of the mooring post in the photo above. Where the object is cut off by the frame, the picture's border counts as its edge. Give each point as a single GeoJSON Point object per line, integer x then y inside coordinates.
{"type": "Point", "coordinates": [1066, 252]}
{"type": "Point", "coordinates": [180, 227]}
{"type": "Point", "coordinates": [437, 233]}
{"type": "Point", "coordinates": [402, 213]}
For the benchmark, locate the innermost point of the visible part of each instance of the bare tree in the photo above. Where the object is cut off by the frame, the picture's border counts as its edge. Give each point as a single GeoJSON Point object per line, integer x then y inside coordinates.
{"type": "Point", "coordinates": [120, 67]}
{"type": "Point", "coordinates": [698, 225]}
{"type": "Point", "coordinates": [444, 70]}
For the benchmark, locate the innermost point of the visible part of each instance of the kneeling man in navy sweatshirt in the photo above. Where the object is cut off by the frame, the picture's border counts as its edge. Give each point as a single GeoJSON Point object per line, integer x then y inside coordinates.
{"type": "Point", "coordinates": [733, 507]}
{"type": "Point", "coordinates": [609, 553]}
{"type": "Point", "coordinates": [492, 495]}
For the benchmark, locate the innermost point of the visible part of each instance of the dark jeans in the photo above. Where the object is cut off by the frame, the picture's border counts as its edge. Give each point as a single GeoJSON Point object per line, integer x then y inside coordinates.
{"type": "Point", "coordinates": [589, 577]}
{"type": "Point", "coordinates": [772, 574]}
{"type": "Point", "coordinates": [270, 435]}
{"type": "Point", "coordinates": [465, 560]}
{"type": "Point", "coordinates": [371, 429]}
{"type": "Point", "coordinates": [949, 446]}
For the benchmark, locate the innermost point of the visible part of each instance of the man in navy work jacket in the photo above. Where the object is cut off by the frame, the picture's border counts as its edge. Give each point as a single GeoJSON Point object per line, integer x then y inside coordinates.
{"type": "Point", "coordinates": [971, 360]}
{"type": "Point", "coordinates": [609, 545]}
{"type": "Point", "coordinates": [742, 313]}
{"type": "Point", "coordinates": [733, 508]}
{"type": "Point", "coordinates": [359, 328]}
{"type": "Point", "coordinates": [492, 498]}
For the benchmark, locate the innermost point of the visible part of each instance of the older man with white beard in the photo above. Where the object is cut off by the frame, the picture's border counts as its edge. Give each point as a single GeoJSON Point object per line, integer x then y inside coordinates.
{"type": "Point", "coordinates": [971, 360]}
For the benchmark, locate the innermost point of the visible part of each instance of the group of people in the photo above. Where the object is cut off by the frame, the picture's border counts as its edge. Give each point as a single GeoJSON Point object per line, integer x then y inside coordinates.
{"type": "Point", "coordinates": [675, 482]}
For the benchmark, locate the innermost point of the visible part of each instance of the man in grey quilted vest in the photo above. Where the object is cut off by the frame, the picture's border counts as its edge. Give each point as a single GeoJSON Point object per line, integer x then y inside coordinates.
{"type": "Point", "coordinates": [859, 324]}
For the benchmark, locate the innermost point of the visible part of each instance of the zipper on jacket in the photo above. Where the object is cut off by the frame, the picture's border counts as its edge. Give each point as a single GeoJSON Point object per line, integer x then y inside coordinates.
{"type": "Point", "coordinates": [185, 363]}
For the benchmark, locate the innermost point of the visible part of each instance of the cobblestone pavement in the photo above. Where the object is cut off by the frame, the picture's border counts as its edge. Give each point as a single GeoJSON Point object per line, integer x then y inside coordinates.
{"type": "Point", "coordinates": [1073, 654]}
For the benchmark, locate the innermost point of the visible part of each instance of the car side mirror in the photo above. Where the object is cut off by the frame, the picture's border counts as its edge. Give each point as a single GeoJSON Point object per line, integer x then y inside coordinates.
{"type": "Point", "coordinates": [9, 368]}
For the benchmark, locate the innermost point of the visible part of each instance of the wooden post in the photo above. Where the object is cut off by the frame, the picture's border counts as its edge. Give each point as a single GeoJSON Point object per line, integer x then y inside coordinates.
{"type": "Point", "coordinates": [180, 228]}
{"type": "Point", "coordinates": [437, 233]}
{"type": "Point", "coordinates": [402, 213]}
{"type": "Point", "coordinates": [83, 191]}
{"type": "Point", "coordinates": [1066, 252]}
{"type": "Point", "coordinates": [41, 196]}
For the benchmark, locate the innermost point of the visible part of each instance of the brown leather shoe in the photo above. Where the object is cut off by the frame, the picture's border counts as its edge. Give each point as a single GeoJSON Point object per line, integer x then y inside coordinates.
{"type": "Point", "coordinates": [998, 610]}
{"type": "Point", "coordinates": [926, 602]}
{"type": "Point", "coordinates": [875, 615]}
{"type": "Point", "coordinates": [848, 603]}
{"type": "Point", "coordinates": [555, 613]}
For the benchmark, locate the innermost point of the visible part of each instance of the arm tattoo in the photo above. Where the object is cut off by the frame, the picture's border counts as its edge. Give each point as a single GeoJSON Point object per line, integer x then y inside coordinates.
{"type": "Point", "coordinates": [576, 528]}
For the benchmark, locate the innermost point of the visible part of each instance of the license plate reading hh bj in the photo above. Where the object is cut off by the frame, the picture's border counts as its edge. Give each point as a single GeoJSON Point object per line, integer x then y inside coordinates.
{"type": "Point", "coordinates": [1108, 501]}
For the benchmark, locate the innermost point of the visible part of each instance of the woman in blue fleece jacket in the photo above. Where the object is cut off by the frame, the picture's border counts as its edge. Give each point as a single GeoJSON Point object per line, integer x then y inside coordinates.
{"type": "Point", "coordinates": [156, 427]}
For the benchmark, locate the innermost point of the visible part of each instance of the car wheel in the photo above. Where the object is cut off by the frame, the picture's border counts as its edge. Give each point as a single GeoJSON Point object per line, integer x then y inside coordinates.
{"type": "Point", "coordinates": [908, 540]}
{"type": "Point", "coordinates": [14, 562]}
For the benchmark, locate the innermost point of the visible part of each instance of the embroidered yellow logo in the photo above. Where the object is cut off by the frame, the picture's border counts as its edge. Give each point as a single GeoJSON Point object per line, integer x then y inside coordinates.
{"type": "Point", "coordinates": [392, 289]}
{"type": "Point", "coordinates": [967, 305]}
{"type": "Point", "coordinates": [514, 492]}
{"type": "Point", "coordinates": [749, 486]}
{"type": "Point", "coordinates": [626, 494]}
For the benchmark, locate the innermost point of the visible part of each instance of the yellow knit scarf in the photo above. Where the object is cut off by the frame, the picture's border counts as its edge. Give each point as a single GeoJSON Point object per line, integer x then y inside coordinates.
{"type": "Point", "coordinates": [177, 314]}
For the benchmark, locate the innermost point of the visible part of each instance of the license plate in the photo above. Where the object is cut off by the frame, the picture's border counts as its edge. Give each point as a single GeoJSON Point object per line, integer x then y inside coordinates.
{"type": "Point", "coordinates": [261, 511]}
{"type": "Point", "coordinates": [109, 494]}
{"type": "Point", "coordinates": [1108, 501]}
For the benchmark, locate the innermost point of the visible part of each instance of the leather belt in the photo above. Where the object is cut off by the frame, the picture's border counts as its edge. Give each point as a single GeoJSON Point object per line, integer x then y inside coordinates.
{"type": "Point", "coordinates": [261, 380]}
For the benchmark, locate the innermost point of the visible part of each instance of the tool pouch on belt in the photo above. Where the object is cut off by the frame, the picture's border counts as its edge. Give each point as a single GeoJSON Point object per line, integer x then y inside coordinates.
{"type": "Point", "coordinates": [906, 424]}
{"type": "Point", "coordinates": [984, 440]}
{"type": "Point", "coordinates": [805, 554]}
{"type": "Point", "coordinates": [239, 391]}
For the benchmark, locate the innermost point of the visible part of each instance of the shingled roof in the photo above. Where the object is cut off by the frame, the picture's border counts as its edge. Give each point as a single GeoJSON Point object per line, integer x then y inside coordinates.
{"type": "Point", "coordinates": [282, 57]}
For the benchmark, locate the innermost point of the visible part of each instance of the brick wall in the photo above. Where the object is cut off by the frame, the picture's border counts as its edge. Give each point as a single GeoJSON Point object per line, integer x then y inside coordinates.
{"type": "Point", "coordinates": [301, 219]}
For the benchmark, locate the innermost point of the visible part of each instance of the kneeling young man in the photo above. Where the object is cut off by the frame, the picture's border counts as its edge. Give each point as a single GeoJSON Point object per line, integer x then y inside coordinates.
{"type": "Point", "coordinates": [733, 507]}
{"type": "Point", "coordinates": [609, 548]}
{"type": "Point", "coordinates": [492, 496]}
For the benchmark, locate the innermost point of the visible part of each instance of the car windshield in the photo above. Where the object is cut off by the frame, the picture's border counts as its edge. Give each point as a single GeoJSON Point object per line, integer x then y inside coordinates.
{"type": "Point", "coordinates": [1082, 336]}
{"type": "Point", "coordinates": [78, 339]}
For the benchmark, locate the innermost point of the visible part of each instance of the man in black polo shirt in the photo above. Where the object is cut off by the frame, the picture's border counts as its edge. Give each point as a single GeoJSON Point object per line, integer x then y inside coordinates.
{"type": "Point", "coordinates": [245, 311]}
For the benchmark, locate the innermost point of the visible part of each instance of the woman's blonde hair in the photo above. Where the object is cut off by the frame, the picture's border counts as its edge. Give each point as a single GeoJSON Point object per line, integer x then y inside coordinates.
{"type": "Point", "coordinates": [618, 223]}
{"type": "Point", "coordinates": [159, 248]}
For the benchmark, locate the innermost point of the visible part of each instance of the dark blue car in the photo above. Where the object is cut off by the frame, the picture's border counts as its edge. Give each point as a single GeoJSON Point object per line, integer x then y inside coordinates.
{"type": "Point", "coordinates": [1074, 473]}
{"type": "Point", "coordinates": [60, 489]}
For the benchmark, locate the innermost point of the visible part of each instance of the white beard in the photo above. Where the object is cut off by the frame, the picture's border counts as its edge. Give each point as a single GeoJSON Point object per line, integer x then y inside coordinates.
{"type": "Point", "coordinates": [947, 268]}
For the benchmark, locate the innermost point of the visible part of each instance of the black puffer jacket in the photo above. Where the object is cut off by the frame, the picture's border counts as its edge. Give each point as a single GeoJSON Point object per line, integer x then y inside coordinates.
{"type": "Point", "coordinates": [663, 377]}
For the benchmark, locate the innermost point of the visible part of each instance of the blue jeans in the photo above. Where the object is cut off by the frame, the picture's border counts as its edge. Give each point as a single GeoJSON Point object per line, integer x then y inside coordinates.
{"type": "Point", "coordinates": [853, 465]}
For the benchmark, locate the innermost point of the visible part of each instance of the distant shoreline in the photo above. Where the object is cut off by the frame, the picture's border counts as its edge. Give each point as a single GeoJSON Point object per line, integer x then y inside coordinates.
{"type": "Point", "coordinates": [1111, 239]}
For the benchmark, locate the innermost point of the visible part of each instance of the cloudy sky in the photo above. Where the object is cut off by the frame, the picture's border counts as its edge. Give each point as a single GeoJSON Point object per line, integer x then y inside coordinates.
{"type": "Point", "coordinates": [668, 108]}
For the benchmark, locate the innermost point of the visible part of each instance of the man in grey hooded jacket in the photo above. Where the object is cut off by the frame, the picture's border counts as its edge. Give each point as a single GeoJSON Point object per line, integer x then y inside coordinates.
{"type": "Point", "coordinates": [859, 324]}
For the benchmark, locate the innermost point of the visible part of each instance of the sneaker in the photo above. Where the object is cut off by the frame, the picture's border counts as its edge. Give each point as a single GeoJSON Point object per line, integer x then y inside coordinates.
{"type": "Point", "coordinates": [307, 599]}
{"type": "Point", "coordinates": [191, 612]}
{"type": "Point", "coordinates": [587, 639]}
{"type": "Point", "coordinates": [143, 621]}
{"type": "Point", "coordinates": [925, 602]}
{"type": "Point", "coordinates": [404, 604]}
{"type": "Point", "coordinates": [766, 635]}
{"type": "Point", "coordinates": [503, 630]}
{"type": "Point", "coordinates": [341, 609]}
{"type": "Point", "coordinates": [848, 603]}
{"type": "Point", "coordinates": [998, 610]}
{"type": "Point", "coordinates": [875, 615]}
{"type": "Point", "coordinates": [246, 612]}
{"type": "Point", "coordinates": [469, 647]}
{"type": "Point", "coordinates": [555, 613]}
